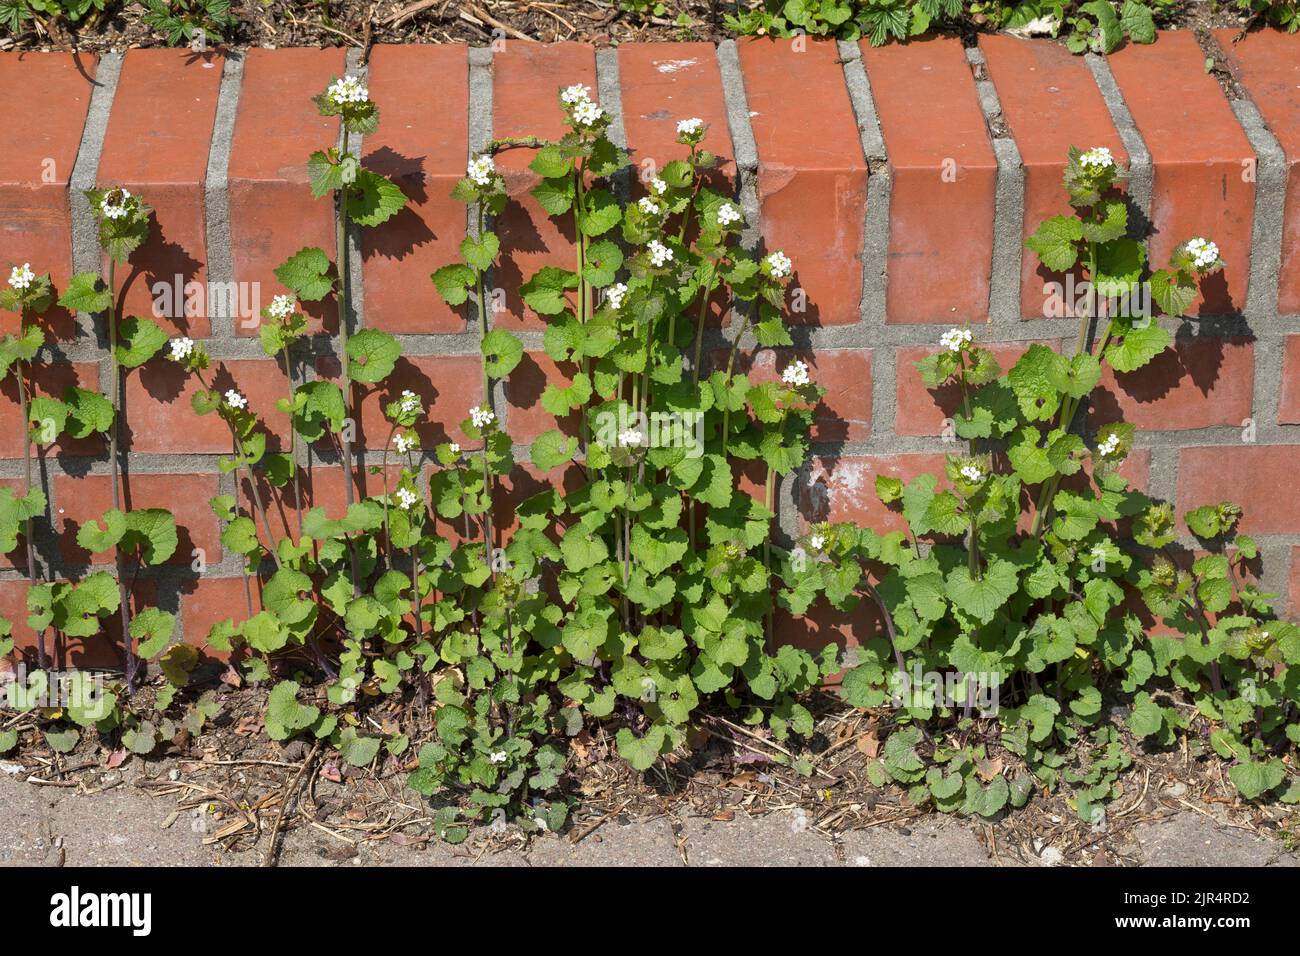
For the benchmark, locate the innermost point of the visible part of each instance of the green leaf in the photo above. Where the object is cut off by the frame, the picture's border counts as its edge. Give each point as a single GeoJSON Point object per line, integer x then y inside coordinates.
{"type": "Point", "coordinates": [1054, 242]}
{"type": "Point", "coordinates": [982, 598]}
{"type": "Point", "coordinates": [372, 354]}
{"type": "Point", "coordinates": [86, 292]}
{"type": "Point", "coordinates": [544, 292]}
{"type": "Point", "coordinates": [374, 199]}
{"type": "Point", "coordinates": [152, 532]}
{"type": "Point", "coordinates": [454, 282]}
{"type": "Point", "coordinates": [356, 750]}
{"type": "Point", "coordinates": [1138, 22]}
{"type": "Point", "coordinates": [139, 341]}
{"type": "Point", "coordinates": [307, 274]}
{"type": "Point", "coordinates": [480, 252]}
{"type": "Point", "coordinates": [1174, 292]}
{"type": "Point", "coordinates": [153, 629]}
{"type": "Point", "coordinates": [552, 449]}
{"type": "Point", "coordinates": [1133, 345]}
{"type": "Point", "coordinates": [88, 412]}
{"type": "Point", "coordinates": [1256, 778]}
{"type": "Point", "coordinates": [641, 752]}
{"type": "Point", "coordinates": [501, 353]}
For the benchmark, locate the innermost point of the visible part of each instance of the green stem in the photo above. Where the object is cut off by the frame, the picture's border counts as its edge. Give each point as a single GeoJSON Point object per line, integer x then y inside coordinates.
{"type": "Point", "coordinates": [769, 499]}
{"type": "Point", "coordinates": [344, 297]}
{"type": "Point", "coordinates": [115, 386]}
{"type": "Point", "coordinates": [42, 661]}
{"type": "Point", "coordinates": [293, 443]}
{"type": "Point", "coordinates": [731, 363]}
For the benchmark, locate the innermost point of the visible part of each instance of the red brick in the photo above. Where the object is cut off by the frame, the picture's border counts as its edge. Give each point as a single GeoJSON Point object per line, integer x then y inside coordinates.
{"type": "Point", "coordinates": [1200, 382]}
{"type": "Point", "coordinates": [527, 78]}
{"type": "Point", "coordinates": [844, 488]}
{"type": "Point", "coordinates": [49, 380]}
{"type": "Point", "coordinates": [206, 601]}
{"type": "Point", "coordinates": [944, 179]}
{"type": "Point", "coordinates": [1254, 476]}
{"type": "Point", "coordinates": [1288, 406]}
{"type": "Point", "coordinates": [1268, 65]}
{"type": "Point", "coordinates": [663, 83]}
{"type": "Point", "coordinates": [1201, 158]}
{"type": "Point", "coordinates": [410, 84]}
{"type": "Point", "coordinates": [321, 486]}
{"type": "Point", "coordinates": [824, 625]}
{"type": "Point", "coordinates": [277, 127]}
{"type": "Point", "coordinates": [1293, 584]}
{"type": "Point", "coordinates": [812, 176]}
{"type": "Point", "coordinates": [159, 417]}
{"type": "Point", "coordinates": [102, 650]}
{"type": "Point", "coordinates": [80, 498]}
{"type": "Point", "coordinates": [921, 411]}
{"type": "Point", "coordinates": [36, 160]}
{"type": "Point", "coordinates": [844, 414]}
{"type": "Point", "coordinates": [1050, 102]}
{"type": "Point", "coordinates": [525, 416]}
{"type": "Point", "coordinates": [156, 146]}
{"type": "Point", "coordinates": [448, 387]}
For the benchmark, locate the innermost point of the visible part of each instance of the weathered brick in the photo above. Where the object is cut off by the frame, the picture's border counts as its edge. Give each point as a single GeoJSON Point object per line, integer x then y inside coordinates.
{"type": "Point", "coordinates": [1050, 102]}
{"type": "Point", "coordinates": [425, 159]}
{"type": "Point", "coordinates": [920, 411]}
{"type": "Point", "coordinates": [525, 416]}
{"type": "Point", "coordinates": [824, 625]}
{"type": "Point", "coordinates": [1204, 183]}
{"type": "Point", "coordinates": [81, 498]}
{"type": "Point", "coordinates": [277, 127]}
{"type": "Point", "coordinates": [812, 175]}
{"type": "Point", "coordinates": [527, 78]}
{"type": "Point", "coordinates": [207, 600]}
{"type": "Point", "coordinates": [1288, 406]}
{"type": "Point", "coordinates": [1267, 63]}
{"type": "Point", "coordinates": [844, 488]}
{"type": "Point", "coordinates": [160, 419]}
{"type": "Point", "coordinates": [320, 486]}
{"type": "Point", "coordinates": [156, 146]}
{"type": "Point", "coordinates": [1201, 382]}
{"type": "Point", "coordinates": [1253, 476]}
{"type": "Point", "coordinates": [944, 179]}
{"type": "Point", "coordinates": [50, 380]}
{"type": "Point", "coordinates": [844, 413]}
{"type": "Point", "coordinates": [36, 160]}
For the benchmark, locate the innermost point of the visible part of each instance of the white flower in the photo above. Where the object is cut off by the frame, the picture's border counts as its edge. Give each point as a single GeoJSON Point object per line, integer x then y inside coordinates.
{"type": "Point", "coordinates": [817, 542]}
{"type": "Point", "coordinates": [587, 113]}
{"type": "Point", "coordinates": [347, 90]}
{"type": "Point", "coordinates": [409, 402]}
{"type": "Point", "coordinates": [1203, 252]}
{"type": "Point", "coordinates": [21, 277]}
{"type": "Point", "coordinates": [780, 264]}
{"type": "Point", "coordinates": [182, 348]}
{"type": "Point", "coordinates": [658, 186]}
{"type": "Point", "coordinates": [497, 756]}
{"type": "Point", "coordinates": [577, 93]}
{"type": "Point", "coordinates": [689, 127]}
{"type": "Point", "coordinates": [796, 374]}
{"type": "Point", "coordinates": [955, 339]}
{"type": "Point", "coordinates": [455, 447]}
{"type": "Point", "coordinates": [614, 295]}
{"type": "Point", "coordinates": [118, 209]}
{"type": "Point", "coordinates": [727, 214]}
{"type": "Point", "coordinates": [1109, 446]}
{"type": "Point", "coordinates": [659, 253]}
{"type": "Point", "coordinates": [406, 498]}
{"type": "Point", "coordinates": [649, 206]}
{"type": "Point", "coordinates": [404, 442]}
{"type": "Point", "coordinates": [972, 474]}
{"type": "Point", "coordinates": [481, 168]}
{"type": "Point", "coordinates": [235, 400]}
{"type": "Point", "coordinates": [281, 307]}
{"type": "Point", "coordinates": [1098, 156]}
{"type": "Point", "coordinates": [482, 416]}
{"type": "Point", "coordinates": [630, 437]}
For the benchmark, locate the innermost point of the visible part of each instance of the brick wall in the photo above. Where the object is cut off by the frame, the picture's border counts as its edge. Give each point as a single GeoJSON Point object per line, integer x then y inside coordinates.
{"type": "Point", "coordinates": [902, 181]}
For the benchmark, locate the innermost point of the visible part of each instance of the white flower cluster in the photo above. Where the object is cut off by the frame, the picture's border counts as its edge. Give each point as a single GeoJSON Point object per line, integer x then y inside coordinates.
{"type": "Point", "coordinates": [455, 447]}
{"type": "Point", "coordinates": [690, 127]}
{"type": "Point", "coordinates": [118, 209]}
{"type": "Point", "coordinates": [1109, 445]}
{"type": "Point", "coordinates": [409, 402]}
{"type": "Point", "coordinates": [630, 437]}
{"type": "Point", "coordinates": [347, 90]}
{"type": "Point", "coordinates": [614, 295]}
{"type": "Point", "coordinates": [817, 542]}
{"type": "Point", "coordinates": [404, 442]}
{"type": "Point", "coordinates": [972, 474]}
{"type": "Point", "coordinates": [780, 264]}
{"type": "Point", "coordinates": [235, 400]}
{"type": "Point", "coordinates": [281, 307]}
{"type": "Point", "coordinates": [406, 498]}
{"type": "Point", "coordinates": [660, 254]}
{"type": "Point", "coordinates": [1203, 252]}
{"type": "Point", "coordinates": [727, 214]}
{"type": "Point", "coordinates": [482, 416]}
{"type": "Point", "coordinates": [481, 168]}
{"type": "Point", "coordinates": [587, 113]}
{"type": "Point", "coordinates": [796, 374]}
{"type": "Point", "coordinates": [954, 339]}
{"type": "Point", "coordinates": [577, 93]}
{"type": "Point", "coordinates": [658, 186]}
{"type": "Point", "coordinates": [1099, 157]}
{"type": "Point", "coordinates": [182, 348]}
{"type": "Point", "coordinates": [649, 206]}
{"type": "Point", "coordinates": [22, 276]}
{"type": "Point", "coordinates": [497, 756]}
